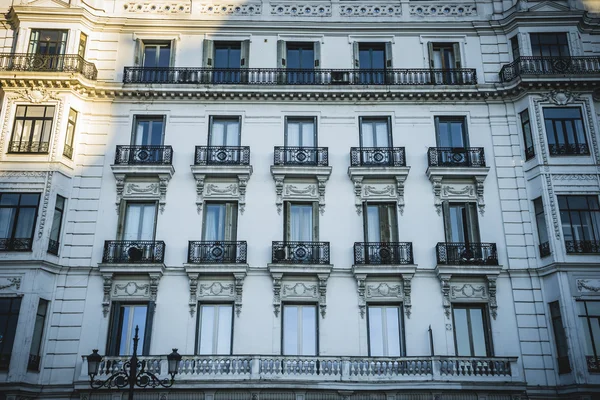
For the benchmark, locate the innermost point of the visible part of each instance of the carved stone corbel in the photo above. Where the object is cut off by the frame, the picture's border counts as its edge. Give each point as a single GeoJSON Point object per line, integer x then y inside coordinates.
{"type": "Point", "coordinates": [199, 192]}
{"type": "Point", "coordinates": [154, 279]}
{"type": "Point", "coordinates": [107, 281]}
{"type": "Point", "coordinates": [406, 280]}
{"type": "Point", "coordinates": [276, 293]}
{"type": "Point", "coordinates": [491, 279]}
{"type": "Point", "coordinates": [479, 191]}
{"type": "Point", "coordinates": [445, 281]}
{"type": "Point", "coordinates": [239, 286]}
{"type": "Point", "coordinates": [193, 303]}
{"type": "Point", "coordinates": [279, 192]}
{"type": "Point", "coordinates": [437, 193]}
{"type": "Point", "coordinates": [323, 293]}
{"type": "Point", "coordinates": [322, 180]}
{"type": "Point", "coordinates": [400, 179]}
{"type": "Point", "coordinates": [163, 182]}
{"type": "Point", "coordinates": [242, 183]}
{"type": "Point", "coordinates": [362, 303]}
{"type": "Point", "coordinates": [120, 181]}
{"type": "Point", "coordinates": [357, 180]}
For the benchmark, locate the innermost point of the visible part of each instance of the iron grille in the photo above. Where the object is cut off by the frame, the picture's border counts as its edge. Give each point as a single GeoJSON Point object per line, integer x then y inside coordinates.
{"type": "Point", "coordinates": [467, 253]}
{"type": "Point", "coordinates": [33, 363]}
{"type": "Point", "coordinates": [392, 253]}
{"type": "Point", "coordinates": [582, 246]}
{"type": "Point", "coordinates": [133, 251]}
{"type": "Point", "coordinates": [300, 253]}
{"type": "Point", "coordinates": [222, 155]}
{"type": "Point", "coordinates": [16, 244]}
{"type": "Point", "coordinates": [217, 252]}
{"type": "Point", "coordinates": [377, 156]}
{"type": "Point", "coordinates": [48, 63]}
{"type": "Point", "coordinates": [28, 147]}
{"type": "Point", "coordinates": [144, 155]}
{"type": "Point", "coordinates": [545, 249]}
{"type": "Point", "coordinates": [456, 157]}
{"type": "Point", "coordinates": [569, 149]}
{"type": "Point", "coordinates": [312, 156]}
{"type": "Point", "coordinates": [53, 247]}
{"type": "Point", "coordinates": [523, 66]}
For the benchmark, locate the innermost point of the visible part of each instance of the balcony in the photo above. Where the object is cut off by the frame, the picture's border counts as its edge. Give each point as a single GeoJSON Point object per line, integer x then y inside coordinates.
{"type": "Point", "coordinates": [582, 246]}
{"type": "Point", "coordinates": [314, 370]}
{"type": "Point", "coordinates": [301, 156]}
{"type": "Point", "coordinates": [284, 76]}
{"type": "Point", "coordinates": [144, 155]}
{"type": "Point", "coordinates": [46, 63]}
{"type": "Point", "coordinates": [316, 253]}
{"type": "Point", "coordinates": [569, 149]}
{"type": "Point", "coordinates": [222, 155]}
{"type": "Point", "coordinates": [467, 254]}
{"type": "Point", "coordinates": [550, 67]}
{"type": "Point", "coordinates": [217, 252]}
{"type": "Point", "coordinates": [456, 157]}
{"type": "Point", "coordinates": [27, 147]}
{"type": "Point", "coordinates": [135, 256]}
{"type": "Point", "coordinates": [15, 244]}
{"type": "Point", "coordinates": [391, 253]}
{"type": "Point", "coordinates": [377, 157]}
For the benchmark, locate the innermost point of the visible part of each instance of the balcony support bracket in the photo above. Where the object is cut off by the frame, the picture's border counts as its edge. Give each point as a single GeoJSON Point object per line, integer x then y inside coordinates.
{"type": "Point", "coordinates": [378, 183]}
{"type": "Point", "coordinates": [461, 289]}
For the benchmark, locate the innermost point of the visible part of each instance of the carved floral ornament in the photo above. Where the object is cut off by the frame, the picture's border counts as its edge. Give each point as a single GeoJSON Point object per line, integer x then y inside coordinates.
{"type": "Point", "coordinates": [300, 191]}
{"type": "Point", "coordinates": [134, 289]}
{"type": "Point", "coordinates": [136, 190]}
{"type": "Point", "coordinates": [158, 7]}
{"type": "Point", "coordinates": [465, 292]}
{"type": "Point", "coordinates": [221, 191]}
{"type": "Point", "coordinates": [443, 10]}
{"type": "Point", "coordinates": [373, 291]}
{"type": "Point", "coordinates": [364, 191]}
{"type": "Point", "coordinates": [291, 290]}
{"type": "Point", "coordinates": [588, 286]}
{"type": "Point", "coordinates": [7, 282]}
{"type": "Point", "coordinates": [231, 8]}
{"type": "Point", "coordinates": [216, 289]}
{"type": "Point", "coordinates": [458, 192]}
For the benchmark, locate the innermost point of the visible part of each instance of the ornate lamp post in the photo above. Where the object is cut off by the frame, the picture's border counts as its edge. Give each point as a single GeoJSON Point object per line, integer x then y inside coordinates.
{"type": "Point", "coordinates": [133, 372]}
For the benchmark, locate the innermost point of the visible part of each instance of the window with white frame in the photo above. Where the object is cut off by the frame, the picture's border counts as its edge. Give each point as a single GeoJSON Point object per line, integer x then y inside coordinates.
{"type": "Point", "coordinates": [215, 327]}
{"type": "Point", "coordinates": [125, 318]}
{"type": "Point", "coordinates": [385, 331]}
{"type": "Point", "coordinates": [471, 331]}
{"type": "Point", "coordinates": [300, 330]}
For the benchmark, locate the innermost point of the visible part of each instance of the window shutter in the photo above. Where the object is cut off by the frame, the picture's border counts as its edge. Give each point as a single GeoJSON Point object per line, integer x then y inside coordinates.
{"type": "Point", "coordinates": [315, 216]}
{"type": "Point", "coordinates": [173, 49]}
{"type": "Point", "coordinates": [388, 55]}
{"type": "Point", "coordinates": [245, 51]}
{"type": "Point", "coordinates": [447, 223]}
{"type": "Point", "coordinates": [281, 54]}
{"type": "Point", "coordinates": [287, 215]}
{"type": "Point", "coordinates": [231, 222]}
{"type": "Point", "coordinates": [356, 55]}
{"type": "Point", "coordinates": [122, 216]}
{"type": "Point", "coordinates": [430, 51]}
{"type": "Point", "coordinates": [209, 51]}
{"type": "Point", "coordinates": [365, 221]}
{"type": "Point", "coordinates": [317, 50]}
{"type": "Point", "coordinates": [148, 328]}
{"type": "Point", "coordinates": [473, 226]}
{"type": "Point", "coordinates": [113, 330]}
{"type": "Point", "coordinates": [457, 57]}
{"type": "Point", "coordinates": [139, 53]}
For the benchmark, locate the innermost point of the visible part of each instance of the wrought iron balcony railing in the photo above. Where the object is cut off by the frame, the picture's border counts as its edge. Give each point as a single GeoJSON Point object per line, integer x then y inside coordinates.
{"type": "Point", "coordinates": [222, 155]}
{"type": "Point", "coordinates": [560, 66]}
{"type": "Point", "coordinates": [288, 76]}
{"type": "Point", "coordinates": [71, 63]}
{"type": "Point", "coordinates": [53, 246]}
{"type": "Point", "coordinates": [309, 156]}
{"type": "Point", "coordinates": [392, 253]}
{"type": "Point", "coordinates": [300, 253]}
{"type": "Point", "coordinates": [33, 363]}
{"type": "Point", "coordinates": [68, 151]}
{"type": "Point", "coordinates": [4, 361]}
{"type": "Point", "coordinates": [593, 364]}
{"type": "Point", "coordinates": [15, 244]}
{"type": "Point", "coordinates": [569, 149]}
{"type": "Point", "coordinates": [529, 153]}
{"type": "Point", "coordinates": [377, 157]}
{"type": "Point", "coordinates": [582, 246]}
{"type": "Point", "coordinates": [144, 155]}
{"type": "Point", "coordinates": [467, 253]}
{"type": "Point", "coordinates": [544, 249]}
{"type": "Point", "coordinates": [133, 252]}
{"type": "Point", "coordinates": [217, 252]}
{"type": "Point", "coordinates": [15, 146]}
{"type": "Point", "coordinates": [456, 157]}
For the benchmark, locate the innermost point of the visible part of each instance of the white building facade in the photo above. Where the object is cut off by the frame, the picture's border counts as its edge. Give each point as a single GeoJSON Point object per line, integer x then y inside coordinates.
{"type": "Point", "coordinates": [309, 200]}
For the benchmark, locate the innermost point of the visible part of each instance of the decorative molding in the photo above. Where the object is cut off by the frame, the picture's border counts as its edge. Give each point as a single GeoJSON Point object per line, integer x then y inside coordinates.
{"type": "Point", "coordinates": [301, 191]}
{"type": "Point", "coordinates": [279, 192]}
{"type": "Point", "coordinates": [199, 192]}
{"type": "Point", "coordinates": [131, 289]}
{"type": "Point", "coordinates": [493, 304]}
{"type": "Point", "coordinates": [362, 303]}
{"type": "Point", "coordinates": [239, 288]}
{"type": "Point", "coordinates": [193, 302]}
{"type": "Point", "coordinates": [479, 193]}
{"type": "Point", "coordinates": [10, 282]}
{"type": "Point", "coordinates": [357, 181]}
{"type": "Point", "coordinates": [216, 289]}
{"type": "Point", "coordinates": [141, 189]}
{"type": "Point", "coordinates": [400, 179]}
{"type": "Point", "coordinates": [588, 285]}
{"type": "Point", "coordinates": [384, 290]}
{"type": "Point", "coordinates": [350, 9]}
{"type": "Point", "coordinates": [322, 180]}
{"type": "Point", "coordinates": [300, 290]}
{"type": "Point", "coordinates": [468, 291]}
{"type": "Point", "coordinates": [451, 192]}
{"type": "Point", "coordinates": [159, 7]}
{"type": "Point", "coordinates": [23, 174]}
{"type": "Point", "coordinates": [370, 191]}
{"type": "Point", "coordinates": [233, 190]}
{"type": "Point", "coordinates": [560, 97]}
{"type": "Point", "coordinates": [443, 10]}
{"type": "Point", "coordinates": [45, 201]}
{"type": "Point", "coordinates": [363, 192]}
{"type": "Point", "coordinates": [35, 95]}
{"type": "Point", "coordinates": [445, 282]}
{"type": "Point", "coordinates": [276, 293]}
{"type": "Point", "coordinates": [323, 293]}
{"type": "Point", "coordinates": [301, 9]}
{"type": "Point", "coordinates": [213, 189]}
{"type": "Point", "coordinates": [436, 183]}
{"type": "Point", "coordinates": [107, 281]}
{"type": "Point", "coordinates": [406, 285]}
{"type": "Point", "coordinates": [5, 125]}
{"type": "Point", "coordinates": [136, 188]}
{"type": "Point", "coordinates": [575, 177]}
{"type": "Point", "coordinates": [240, 9]}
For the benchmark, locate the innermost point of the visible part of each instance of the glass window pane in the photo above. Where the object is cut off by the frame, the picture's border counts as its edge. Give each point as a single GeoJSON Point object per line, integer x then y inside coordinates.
{"type": "Point", "coordinates": [593, 308]}
{"type": "Point", "coordinates": [224, 329]}
{"type": "Point", "coordinates": [589, 349]}
{"type": "Point", "coordinates": [207, 324]}
{"type": "Point", "coordinates": [393, 331]}
{"type": "Point", "coordinates": [461, 332]}
{"type": "Point", "coordinates": [290, 330]}
{"type": "Point", "coordinates": [25, 223]}
{"type": "Point", "coordinates": [309, 330]}
{"type": "Point", "coordinates": [376, 331]}
{"type": "Point", "coordinates": [478, 332]}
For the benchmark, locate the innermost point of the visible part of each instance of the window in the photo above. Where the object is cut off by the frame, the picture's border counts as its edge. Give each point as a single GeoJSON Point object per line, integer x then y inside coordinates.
{"type": "Point", "coordinates": [18, 213]}
{"type": "Point", "coordinates": [156, 54]}
{"type": "Point", "coordinates": [565, 132]}
{"type": "Point", "coordinates": [549, 45]}
{"type": "Point", "coordinates": [589, 316]}
{"type": "Point", "coordinates": [460, 222]}
{"type": "Point", "coordinates": [375, 132]}
{"type": "Point", "coordinates": [560, 338]}
{"type": "Point", "coordinates": [301, 222]}
{"type": "Point", "coordinates": [471, 331]}
{"type": "Point", "coordinates": [540, 220]}
{"type": "Point", "coordinates": [70, 136]}
{"type": "Point", "coordinates": [48, 42]}
{"type": "Point", "coordinates": [527, 137]}
{"type": "Point", "coordinates": [385, 327]}
{"type": "Point", "coordinates": [299, 330]}
{"type": "Point", "coordinates": [149, 131]}
{"type": "Point", "coordinates": [228, 55]}
{"type": "Point", "coordinates": [139, 221]}
{"type": "Point", "coordinates": [9, 316]}
{"type": "Point", "coordinates": [82, 45]}
{"type": "Point", "coordinates": [220, 222]}
{"type": "Point", "coordinates": [300, 60]}
{"type": "Point", "coordinates": [59, 210]}
{"type": "Point", "coordinates": [514, 45]}
{"type": "Point", "coordinates": [125, 317]}
{"type": "Point", "coordinates": [224, 131]}
{"type": "Point", "coordinates": [580, 216]}
{"type": "Point", "coordinates": [300, 132]}
{"type": "Point", "coordinates": [451, 132]}
{"type": "Point", "coordinates": [372, 59]}
{"type": "Point", "coordinates": [215, 329]}
{"type": "Point", "coordinates": [227, 59]}
{"type": "Point", "coordinates": [32, 129]}
{"type": "Point", "coordinates": [445, 57]}
{"type": "Point", "coordinates": [380, 223]}
{"type": "Point", "coordinates": [38, 332]}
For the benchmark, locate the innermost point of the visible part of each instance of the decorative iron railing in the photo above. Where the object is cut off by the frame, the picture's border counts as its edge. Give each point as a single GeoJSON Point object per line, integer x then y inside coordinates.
{"type": "Point", "coordinates": [288, 76]}
{"type": "Point", "coordinates": [53, 246]}
{"type": "Point", "coordinates": [48, 63]}
{"type": "Point", "coordinates": [545, 249]}
{"type": "Point", "coordinates": [133, 251]}
{"type": "Point", "coordinates": [529, 153]}
{"type": "Point", "coordinates": [391, 253]}
{"type": "Point", "coordinates": [593, 364]}
{"type": "Point", "coordinates": [222, 155]}
{"type": "Point", "coordinates": [300, 252]}
{"type": "Point", "coordinates": [582, 246]}
{"type": "Point", "coordinates": [566, 149]}
{"type": "Point", "coordinates": [15, 244]}
{"type": "Point", "coordinates": [311, 156]}
{"type": "Point", "coordinates": [28, 147]}
{"type": "Point", "coordinates": [456, 157]}
{"type": "Point", "coordinates": [217, 252]}
{"type": "Point", "coordinates": [377, 156]}
{"type": "Point", "coordinates": [467, 253]}
{"type": "Point", "coordinates": [33, 363]}
{"type": "Point", "coordinates": [523, 66]}
{"type": "Point", "coordinates": [68, 151]}
{"type": "Point", "coordinates": [144, 155]}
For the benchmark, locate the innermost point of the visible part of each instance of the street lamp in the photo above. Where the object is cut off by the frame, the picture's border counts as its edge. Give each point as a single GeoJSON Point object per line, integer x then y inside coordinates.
{"type": "Point", "coordinates": [133, 372]}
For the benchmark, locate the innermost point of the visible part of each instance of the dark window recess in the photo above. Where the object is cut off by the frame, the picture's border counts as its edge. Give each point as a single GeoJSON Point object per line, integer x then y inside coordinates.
{"type": "Point", "coordinates": [48, 42]}
{"type": "Point", "coordinates": [514, 45]}
{"type": "Point", "coordinates": [70, 135]}
{"type": "Point", "coordinates": [125, 317]}
{"type": "Point", "coordinates": [32, 129]}
{"type": "Point", "coordinates": [565, 131]}
{"type": "Point", "coordinates": [300, 60]}
{"type": "Point", "coordinates": [471, 332]}
{"type": "Point", "coordinates": [9, 316]}
{"type": "Point", "coordinates": [33, 363]}
{"type": "Point", "coordinates": [372, 63]}
{"type": "Point", "coordinates": [18, 213]}
{"type": "Point", "coordinates": [527, 137]}
{"type": "Point", "coordinates": [580, 217]}
{"type": "Point", "coordinates": [560, 339]}
{"type": "Point", "coordinates": [59, 211]}
{"type": "Point", "coordinates": [589, 317]}
{"type": "Point", "coordinates": [540, 220]}
{"type": "Point", "coordinates": [549, 45]}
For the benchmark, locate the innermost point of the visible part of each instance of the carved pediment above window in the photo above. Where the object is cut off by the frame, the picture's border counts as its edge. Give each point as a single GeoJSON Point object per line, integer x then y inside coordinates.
{"type": "Point", "coordinates": [448, 189]}
{"type": "Point", "coordinates": [378, 183]}
{"type": "Point", "coordinates": [300, 183]}
{"type": "Point", "coordinates": [130, 188]}
{"type": "Point", "coordinates": [221, 183]}
{"type": "Point", "coordinates": [311, 288]}
{"type": "Point", "coordinates": [386, 290]}
{"type": "Point", "coordinates": [469, 290]}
